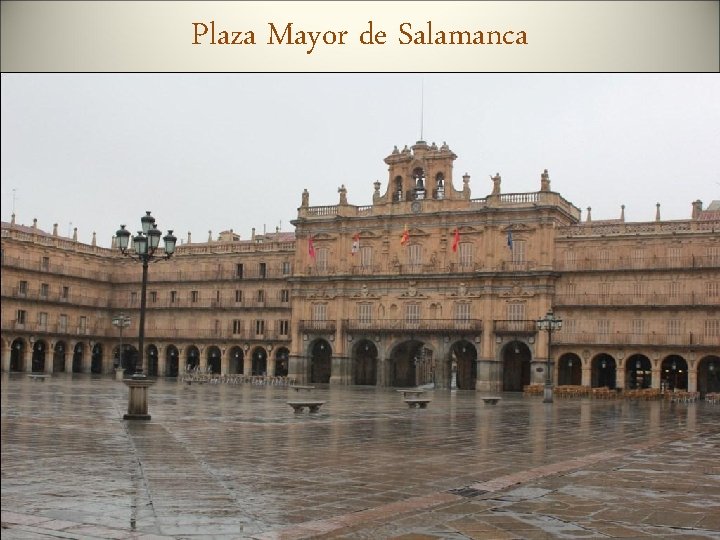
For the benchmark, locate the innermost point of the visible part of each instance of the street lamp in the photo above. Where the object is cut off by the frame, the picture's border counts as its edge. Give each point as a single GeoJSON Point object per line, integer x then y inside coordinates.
{"type": "Point", "coordinates": [145, 251]}
{"type": "Point", "coordinates": [121, 321]}
{"type": "Point", "coordinates": [549, 323]}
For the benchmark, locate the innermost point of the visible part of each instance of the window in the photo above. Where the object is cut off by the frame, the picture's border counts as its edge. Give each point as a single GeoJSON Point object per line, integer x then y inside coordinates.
{"type": "Point", "coordinates": [604, 258]}
{"type": "Point", "coordinates": [62, 323]}
{"type": "Point", "coordinates": [45, 264]}
{"type": "Point", "coordinates": [286, 268]}
{"type": "Point", "coordinates": [415, 256]}
{"type": "Point", "coordinates": [22, 288]}
{"type": "Point", "coordinates": [238, 295]}
{"type": "Point", "coordinates": [284, 295]}
{"type": "Point", "coordinates": [366, 256]}
{"type": "Point", "coordinates": [133, 298]}
{"type": "Point", "coordinates": [261, 295]}
{"type": "Point", "coordinates": [194, 296]}
{"type": "Point", "coordinates": [638, 327]}
{"type": "Point", "coordinates": [364, 313]}
{"type": "Point", "coordinates": [237, 326]}
{"type": "Point", "coordinates": [262, 270]}
{"type": "Point", "coordinates": [712, 289]}
{"type": "Point", "coordinates": [21, 316]}
{"type": "Point", "coordinates": [518, 251]}
{"type": "Point", "coordinates": [153, 296]}
{"type": "Point", "coordinates": [65, 294]}
{"type": "Point", "coordinates": [603, 326]}
{"type": "Point", "coordinates": [466, 254]}
{"type": "Point", "coordinates": [570, 259]}
{"type": "Point", "coordinates": [673, 327]}
{"type": "Point", "coordinates": [712, 328]}
{"type": "Point", "coordinates": [319, 312]}
{"type": "Point", "coordinates": [284, 327]}
{"type": "Point", "coordinates": [673, 256]}
{"type": "Point", "coordinates": [412, 314]}
{"type": "Point", "coordinates": [259, 328]}
{"type": "Point", "coordinates": [82, 325]}
{"type": "Point", "coordinates": [44, 290]}
{"type": "Point", "coordinates": [637, 256]}
{"type": "Point", "coordinates": [322, 259]}
{"type": "Point", "coordinates": [42, 321]}
{"type": "Point", "coordinates": [604, 290]}
{"type": "Point", "coordinates": [239, 270]}
{"type": "Point", "coordinates": [516, 313]}
{"type": "Point", "coordinates": [638, 289]}
{"type": "Point", "coordinates": [570, 289]}
{"type": "Point", "coordinates": [674, 289]}
{"type": "Point", "coordinates": [713, 254]}
{"type": "Point", "coordinates": [173, 297]}
{"type": "Point", "coordinates": [569, 326]}
{"type": "Point", "coordinates": [462, 315]}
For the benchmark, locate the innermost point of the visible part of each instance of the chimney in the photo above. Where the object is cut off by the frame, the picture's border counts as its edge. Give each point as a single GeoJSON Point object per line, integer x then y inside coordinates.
{"type": "Point", "coordinates": [55, 230]}
{"type": "Point", "coordinates": [657, 212]}
{"type": "Point", "coordinates": [589, 214]}
{"type": "Point", "coordinates": [622, 213]}
{"type": "Point", "coordinates": [696, 209]}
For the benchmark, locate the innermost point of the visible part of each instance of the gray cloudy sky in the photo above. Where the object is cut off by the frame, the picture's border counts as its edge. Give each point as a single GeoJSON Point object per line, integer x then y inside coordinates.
{"type": "Point", "coordinates": [234, 151]}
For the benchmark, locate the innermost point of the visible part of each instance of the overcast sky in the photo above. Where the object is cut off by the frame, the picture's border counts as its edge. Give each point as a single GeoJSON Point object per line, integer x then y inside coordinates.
{"type": "Point", "coordinates": [235, 151]}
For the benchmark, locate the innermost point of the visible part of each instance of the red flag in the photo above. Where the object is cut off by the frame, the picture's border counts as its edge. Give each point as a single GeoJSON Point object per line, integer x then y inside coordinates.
{"type": "Point", "coordinates": [311, 247]}
{"type": "Point", "coordinates": [355, 244]}
{"type": "Point", "coordinates": [405, 237]}
{"type": "Point", "coordinates": [456, 240]}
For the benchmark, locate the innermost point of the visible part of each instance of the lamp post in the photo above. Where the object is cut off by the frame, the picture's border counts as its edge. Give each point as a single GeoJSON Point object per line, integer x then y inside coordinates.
{"type": "Point", "coordinates": [145, 251]}
{"type": "Point", "coordinates": [121, 321]}
{"type": "Point", "coordinates": [549, 323]}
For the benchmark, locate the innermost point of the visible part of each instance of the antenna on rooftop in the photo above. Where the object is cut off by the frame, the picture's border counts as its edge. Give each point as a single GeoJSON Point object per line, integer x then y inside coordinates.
{"type": "Point", "coordinates": [13, 201]}
{"type": "Point", "coordinates": [422, 106]}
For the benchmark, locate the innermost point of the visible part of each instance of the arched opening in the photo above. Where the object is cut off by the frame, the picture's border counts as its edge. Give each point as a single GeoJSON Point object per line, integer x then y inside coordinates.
{"type": "Point", "coordinates": [398, 190]}
{"type": "Point", "coordinates": [17, 355]}
{"type": "Point", "coordinates": [237, 360]}
{"type": "Point", "coordinates": [569, 370]}
{"type": "Point", "coordinates": [638, 371]}
{"type": "Point", "coordinates": [282, 357]}
{"type": "Point", "coordinates": [405, 363]}
{"type": "Point", "coordinates": [78, 355]}
{"type": "Point", "coordinates": [38, 356]}
{"type": "Point", "coordinates": [603, 371]}
{"type": "Point", "coordinates": [213, 359]}
{"type": "Point", "coordinates": [708, 377]}
{"type": "Point", "coordinates": [418, 177]}
{"type": "Point", "coordinates": [130, 358]}
{"type": "Point", "coordinates": [516, 366]}
{"type": "Point", "coordinates": [674, 373]}
{"type": "Point", "coordinates": [96, 359]}
{"type": "Point", "coordinates": [439, 192]}
{"type": "Point", "coordinates": [59, 357]}
{"type": "Point", "coordinates": [464, 354]}
{"type": "Point", "coordinates": [151, 369]}
{"type": "Point", "coordinates": [172, 361]}
{"type": "Point", "coordinates": [320, 361]}
{"type": "Point", "coordinates": [365, 363]}
{"type": "Point", "coordinates": [193, 358]}
{"type": "Point", "coordinates": [259, 361]}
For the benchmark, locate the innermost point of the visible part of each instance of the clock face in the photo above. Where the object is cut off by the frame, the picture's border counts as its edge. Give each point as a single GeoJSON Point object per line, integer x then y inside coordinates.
{"type": "Point", "coordinates": [415, 206]}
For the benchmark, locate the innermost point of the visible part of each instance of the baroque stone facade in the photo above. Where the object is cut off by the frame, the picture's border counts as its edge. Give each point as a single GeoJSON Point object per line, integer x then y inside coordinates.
{"type": "Point", "coordinates": [426, 285]}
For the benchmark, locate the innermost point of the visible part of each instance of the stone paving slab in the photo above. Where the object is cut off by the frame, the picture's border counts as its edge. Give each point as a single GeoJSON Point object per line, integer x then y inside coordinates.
{"type": "Point", "coordinates": [226, 462]}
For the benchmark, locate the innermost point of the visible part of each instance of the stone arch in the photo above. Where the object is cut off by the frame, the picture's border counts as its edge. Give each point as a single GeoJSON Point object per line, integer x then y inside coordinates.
{"type": "Point", "coordinates": [192, 357]}
{"type": "Point", "coordinates": [320, 361]}
{"type": "Point", "coordinates": [172, 361]}
{"type": "Point", "coordinates": [213, 356]}
{"type": "Point", "coordinates": [638, 372]}
{"type": "Point", "coordinates": [237, 360]}
{"type": "Point", "coordinates": [463, 355]}
{"type": "Point", "coordinates": [259, 361]}
{"type": "Point", "coordinates": [96, 359]}
{"type": "Point", "coordinates": [282, 361]}
{"type": "Point", "coordinates": [569, 370]}
{"type": "Point", "coordinates": [674, 373]}
{"type": "Point", "coordinates": [78, 357]}
{"type": "Point", "coordinates": [603, 371]}
{"type": "Point", "coordinates": [59, 351]}
{"type": "Point", "coordinates": [403, 366]}
{"type": "Point", "coordinates": [17, 355]}
{"type": "Point", "coordinates": [708, 374]}
{"type": "Point", "coordinates": [516, 358]}
{"type": "Point", "coordinates": [39, 352]}
{"type": "Point", "coordinates": [152, 356]}
{"type": "Point", "coordinates": [365, 362]}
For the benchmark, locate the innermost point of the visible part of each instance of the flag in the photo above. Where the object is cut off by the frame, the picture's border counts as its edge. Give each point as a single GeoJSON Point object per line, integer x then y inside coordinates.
{"type": "Point", "coordinates": [456, 240]}
{"type": "Point", "coordinates": [311, 247]}
{"type": "Point", "coordinates": [405, 237]}
{"type": "Point", "coordinates": [509, 240]}
{"type": "Point", "coordinates": [355, 244]}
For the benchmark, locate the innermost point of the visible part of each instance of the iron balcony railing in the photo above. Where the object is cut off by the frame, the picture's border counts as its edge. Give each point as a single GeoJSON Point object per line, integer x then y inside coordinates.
{"type": "Point", "coordinates": [324, 327]}
{"type": "Point", "coordinates": [650, 299]}
{"type": "Point", "coordinates": [621, 338]}
{"type": "Point", "coordinates": [501, 326]}
{"type": "Point", "coordinates": [414, 326]}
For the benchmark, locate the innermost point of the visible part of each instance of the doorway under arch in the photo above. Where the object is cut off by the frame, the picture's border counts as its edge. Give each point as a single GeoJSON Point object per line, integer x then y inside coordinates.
{"type": "Point", "coordinates": [516, 366]}
{"type": "Point", "coordinates": [405, 362]}
{"type": "Point", "coordinates": [603, 371]}
{"type": "Point", "coordinates": [320, 361]}
{"type": "Point", "coordinates": [213, 359]}
{"type": "Point", "coordinates": [193, 358]}
{"type": "Point", "coordinates": [365, 361]}
{"type": "Point", "coordinates": [59, 357]}
{"type": "Point", "coordinates": [638, 372]}
{"type": "Point", "coordinates": [237, 360]}
{"type": "Point", "coordinates": [674, 373]}
{"type": "Point", "coordinates": [96, 359]}
{"type": "Point", "coordinates": [172, 361]}
{"type": "Point", "coordinates": [17, 355]}
{"type": "Point", "coordinates": [151, 369]}
{"type": "Point", "coordinates": [569, 370]}
{"type": "Point", "coordinates": [464, 354]}
{"type": "Point", "coordinates": [708, 377]}
{"type": "Point", "coordinates": [282, 357]}
{"type": "Point", "coordinates": [259, 361]}
{"type": "Point", "coordinates": [78, 356]}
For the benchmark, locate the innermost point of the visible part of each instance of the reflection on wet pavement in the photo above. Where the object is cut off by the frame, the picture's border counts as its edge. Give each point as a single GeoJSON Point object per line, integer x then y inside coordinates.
{"type": "Point", "coordinates": [234, 461]}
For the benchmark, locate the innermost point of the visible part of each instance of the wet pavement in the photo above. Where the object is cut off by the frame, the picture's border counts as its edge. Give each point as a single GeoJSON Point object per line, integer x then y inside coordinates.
{"type": "Point", "coordinates": [234, 461]}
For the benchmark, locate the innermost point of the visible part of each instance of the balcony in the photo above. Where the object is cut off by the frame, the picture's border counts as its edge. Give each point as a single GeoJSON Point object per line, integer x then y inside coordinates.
{"type": "Point", "coordinates": [522, 327]}
{"type": "Point", "coordinates": [631, 339]}
{"type": "Point", "coordinates": [417, 326]}
{"type": "Point", "coordinates": [318, 327]}
{"type": "Point", "coordinates": [632, 300]}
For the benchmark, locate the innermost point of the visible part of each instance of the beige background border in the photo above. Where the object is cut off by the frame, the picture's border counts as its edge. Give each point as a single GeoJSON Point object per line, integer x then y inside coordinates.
{"type": "Point", "coordinates": [570, 36]}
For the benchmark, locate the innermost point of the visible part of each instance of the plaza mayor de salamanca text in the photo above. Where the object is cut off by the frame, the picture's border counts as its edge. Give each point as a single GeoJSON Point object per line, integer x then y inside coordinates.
{"type": "Point", "coordinates": [212, 33]}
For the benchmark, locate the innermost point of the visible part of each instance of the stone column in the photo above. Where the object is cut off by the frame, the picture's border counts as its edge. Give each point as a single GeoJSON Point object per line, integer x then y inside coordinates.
{"type": "Point", "coordinates": [692, 377]}
{"type": "Point", "coordinates": [6, 353]}
{"type": "Point", "coordinates": [620, 375]}
{"type": "Point", "coordinates": [270, 363]}
{"type": "Point", "coordinates": [224, 361]}
{"type": "Point", "coordinates": [247, 364]}
{"type": "Point", "coordinates": [586, 374]}
{"type": "Point", "coordinates": [203, 360]}
{"type": "Point", "coordinates": [28, 357]}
